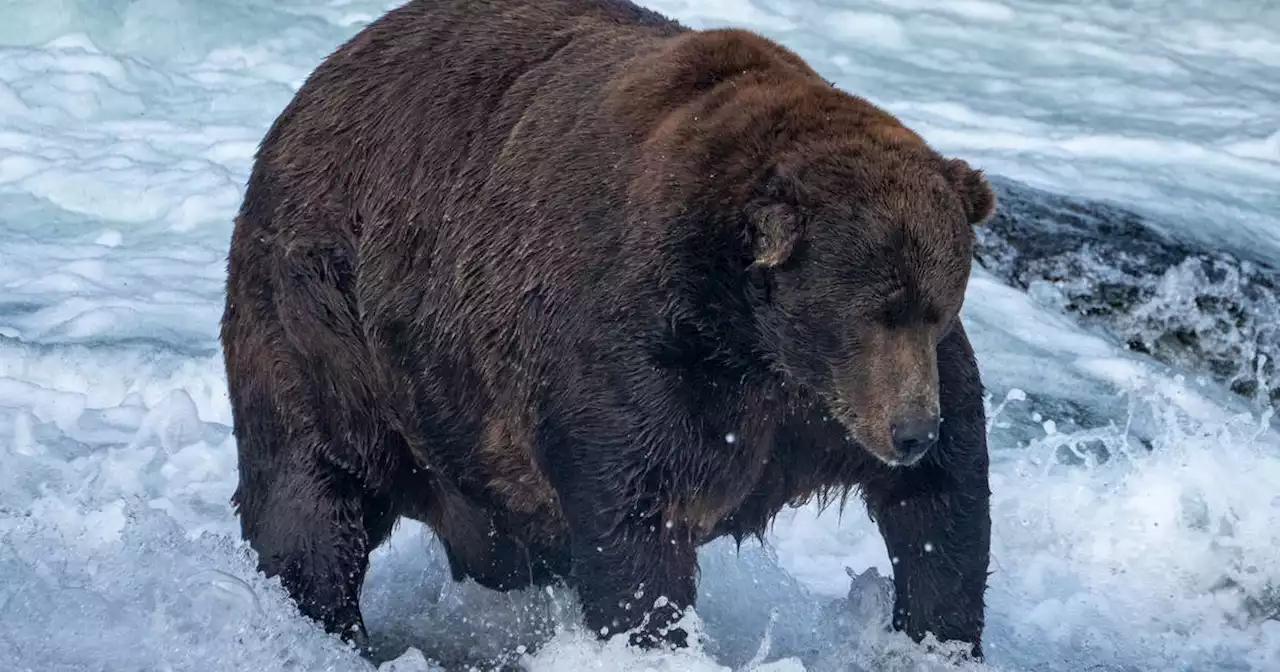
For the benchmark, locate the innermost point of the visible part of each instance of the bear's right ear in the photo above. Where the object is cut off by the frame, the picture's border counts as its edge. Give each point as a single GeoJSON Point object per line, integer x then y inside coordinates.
{"type": "Point", "coordinates": [775, 223]}
{"type": "Point", "coordinates": [775, 231]}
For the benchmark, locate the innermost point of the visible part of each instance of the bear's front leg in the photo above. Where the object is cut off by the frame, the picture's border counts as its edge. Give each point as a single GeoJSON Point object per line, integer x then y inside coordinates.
{"type": "Point", "coordinates": [935, 516]}
{"type": "Point", "coordinates": [632, 572]}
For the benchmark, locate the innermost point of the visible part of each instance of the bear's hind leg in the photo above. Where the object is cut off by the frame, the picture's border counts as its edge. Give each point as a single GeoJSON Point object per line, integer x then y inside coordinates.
{"type": "Point", "coordinates": [312, 528]}
{"type": "Point", "coordinates": [316, 459]}
{"type": "Point", "coordinates": [311, 520]}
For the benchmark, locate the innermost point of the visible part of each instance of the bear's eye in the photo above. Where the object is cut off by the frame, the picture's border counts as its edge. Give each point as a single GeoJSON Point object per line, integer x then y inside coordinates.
{"type": "Point", "coordinates": [902, 309]}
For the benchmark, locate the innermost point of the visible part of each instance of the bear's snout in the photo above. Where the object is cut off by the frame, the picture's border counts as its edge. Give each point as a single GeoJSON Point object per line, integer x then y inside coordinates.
{"type": "Point", "coordinates": [889, 396]}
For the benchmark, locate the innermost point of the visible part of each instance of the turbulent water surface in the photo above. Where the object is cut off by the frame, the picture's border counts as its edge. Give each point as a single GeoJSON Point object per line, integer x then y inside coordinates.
{"type": "Point", "coordinates": [1136, 508]}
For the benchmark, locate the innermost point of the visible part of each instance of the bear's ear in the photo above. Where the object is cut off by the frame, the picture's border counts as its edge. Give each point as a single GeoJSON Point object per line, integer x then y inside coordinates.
{"type": "Point", "coordinates": [979, 200]}
{"type": "Point", "coordinates": [774, 221]}
{"type": "Point", "coordinates": [775, 231]}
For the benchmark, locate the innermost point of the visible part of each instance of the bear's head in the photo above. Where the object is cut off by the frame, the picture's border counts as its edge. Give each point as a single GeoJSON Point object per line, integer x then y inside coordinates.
{"type": "Point", "coordinates": [864, 257]}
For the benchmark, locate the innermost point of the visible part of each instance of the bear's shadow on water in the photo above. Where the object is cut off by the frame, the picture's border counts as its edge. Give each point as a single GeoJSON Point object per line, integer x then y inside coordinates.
{"type": "Point", "coordinates": [411, 601]}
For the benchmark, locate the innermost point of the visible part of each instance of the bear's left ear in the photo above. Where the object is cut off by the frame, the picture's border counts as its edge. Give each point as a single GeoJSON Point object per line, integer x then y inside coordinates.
{"type": "Point", "coordinates": [979, 200]}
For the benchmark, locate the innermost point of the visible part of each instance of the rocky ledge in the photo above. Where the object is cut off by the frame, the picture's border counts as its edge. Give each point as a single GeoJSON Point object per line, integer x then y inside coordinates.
{"type": "Point", "coordinates": [1203, 311]}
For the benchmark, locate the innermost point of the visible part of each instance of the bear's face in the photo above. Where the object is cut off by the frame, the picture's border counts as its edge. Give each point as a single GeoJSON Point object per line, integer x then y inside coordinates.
{"type": "Point", "coordinates": [867, 264]}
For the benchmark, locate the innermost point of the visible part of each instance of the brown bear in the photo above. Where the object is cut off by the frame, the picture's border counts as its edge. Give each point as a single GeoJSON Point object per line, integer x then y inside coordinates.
{"type": "Point", "coordinates": [582, 289]}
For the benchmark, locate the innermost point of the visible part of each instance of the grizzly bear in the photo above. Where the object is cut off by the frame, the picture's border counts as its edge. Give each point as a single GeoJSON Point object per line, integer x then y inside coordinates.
{"type": "Point", "coordinates": [581, 289]}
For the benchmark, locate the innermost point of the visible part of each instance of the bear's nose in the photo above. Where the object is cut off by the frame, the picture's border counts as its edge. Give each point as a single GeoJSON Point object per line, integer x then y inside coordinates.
{"type": "Point", "coordinates": [913, 437]}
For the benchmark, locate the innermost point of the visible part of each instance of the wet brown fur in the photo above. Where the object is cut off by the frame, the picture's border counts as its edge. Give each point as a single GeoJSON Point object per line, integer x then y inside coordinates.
{"type": "Point", "coordinates": [516, 269]}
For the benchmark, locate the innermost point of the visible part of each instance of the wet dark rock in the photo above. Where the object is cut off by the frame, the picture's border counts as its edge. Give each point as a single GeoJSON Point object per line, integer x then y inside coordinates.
{"type": "Point", "coordinates": [1204, 311]}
